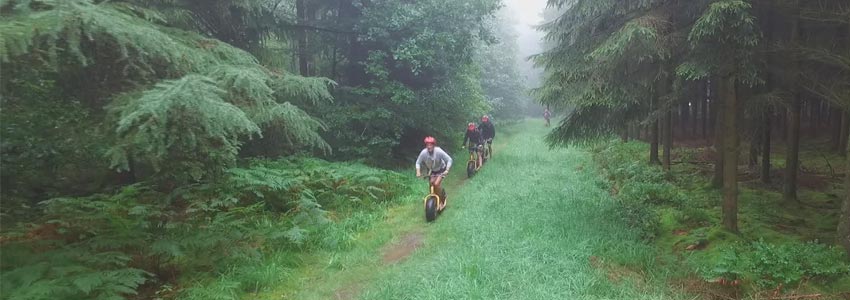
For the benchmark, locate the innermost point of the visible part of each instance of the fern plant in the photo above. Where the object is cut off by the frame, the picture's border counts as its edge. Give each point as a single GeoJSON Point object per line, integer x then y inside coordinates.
{"type": "Point", "coordinates": [182, 125]}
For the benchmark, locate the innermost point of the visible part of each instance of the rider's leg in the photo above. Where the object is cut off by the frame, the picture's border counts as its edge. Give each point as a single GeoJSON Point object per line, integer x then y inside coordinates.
{"type": "Point", "coordinates": [480, 157]}
{"type": "Point", "coordinates": [438, 188]}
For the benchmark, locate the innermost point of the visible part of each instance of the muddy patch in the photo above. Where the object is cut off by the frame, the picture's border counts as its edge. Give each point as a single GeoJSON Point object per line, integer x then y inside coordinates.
{"type": "Point", "coordinates": [348, 292]}
{"type": "Point", "coordinates": [400, 251]}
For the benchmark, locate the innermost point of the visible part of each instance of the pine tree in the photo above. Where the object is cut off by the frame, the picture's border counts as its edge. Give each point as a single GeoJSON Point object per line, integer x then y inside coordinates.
{"type": "Point", "coordinates": [185, 102]}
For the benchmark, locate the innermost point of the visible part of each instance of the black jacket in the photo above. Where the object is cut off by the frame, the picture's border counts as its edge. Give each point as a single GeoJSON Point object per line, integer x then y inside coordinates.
{"type": "Point", "coordinates": [488, 131]}
{"type": "Point", "coordinates": [473, 136]}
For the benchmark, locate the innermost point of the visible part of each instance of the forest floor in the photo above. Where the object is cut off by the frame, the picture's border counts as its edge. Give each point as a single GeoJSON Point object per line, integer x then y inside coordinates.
{"type": "Point", "coordinates": [534, 223]}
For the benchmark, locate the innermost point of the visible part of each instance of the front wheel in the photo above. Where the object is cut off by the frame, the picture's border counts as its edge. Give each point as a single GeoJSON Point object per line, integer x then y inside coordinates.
{"type": "Point", "coordinates": [431, 209]}
{"type": "Point", "coordinates": [470, 169]}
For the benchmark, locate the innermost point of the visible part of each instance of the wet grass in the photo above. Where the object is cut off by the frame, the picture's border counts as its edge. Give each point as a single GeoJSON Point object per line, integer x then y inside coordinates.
{"type": "Point", "coordinates": [533, 224]}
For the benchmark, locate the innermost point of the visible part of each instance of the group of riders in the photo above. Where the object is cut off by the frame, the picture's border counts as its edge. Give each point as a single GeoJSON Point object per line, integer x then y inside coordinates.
{"type": "Point", "coordinates": [438, 162]}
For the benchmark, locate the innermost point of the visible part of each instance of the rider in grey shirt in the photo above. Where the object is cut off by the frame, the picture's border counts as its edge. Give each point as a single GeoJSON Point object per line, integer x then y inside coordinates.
{"type": "Point", "coordinates": [436, 160]}
{"type": "Point", "coordinates": [438, 163]}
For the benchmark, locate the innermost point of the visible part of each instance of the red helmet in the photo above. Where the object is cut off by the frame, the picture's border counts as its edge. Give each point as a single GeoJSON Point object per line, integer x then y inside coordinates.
{"type": "Point", "coordinates": [485, 119]}
{"type": "Point", "coordinates": [471, 126]}
{"type": "Point", "coordinates": [430, 140]}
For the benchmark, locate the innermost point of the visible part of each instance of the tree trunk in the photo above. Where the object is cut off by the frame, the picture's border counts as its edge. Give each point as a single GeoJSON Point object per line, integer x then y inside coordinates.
{"type": "Point", "coordinates": [653, 144]}
{"type": "Point", "coordinates": [753, 161]}
{"type": "Point", "coordinates": [844, 218]}
{"type": "Point", "coordinates": [792, 156]}
{"type": "Point", "coordinates": [684, 120]}
{"type": "Point", "coordinates": [653, 132]}
{"type": "Point", "coordinates": [817, 118]}
{"type": "Point", "coordinates": [717, 102]}
{"type": "Point", "coordinates": [835, 121]}
{"type": "Point", "coordinates": [695, 133]}
{"type": "Point", "coordinates": [301, 35]}
{"type": "Point", "coordinates": [792, 160]}
{"type": "Point", "coordinates": [705, 117]}
{"type": "Point", "coordinates": [730, 155]}
{"type": "Point", "coordinates": [667, 123]}
{"type": "Point", "coordinates": [668, 138]}
{"type": "Point", "coordinates": [845, 127]}
{"type": "Point", "coordinates": [765, 148]}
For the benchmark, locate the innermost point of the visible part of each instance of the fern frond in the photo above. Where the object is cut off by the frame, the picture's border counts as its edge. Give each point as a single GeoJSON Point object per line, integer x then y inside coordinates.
{"type": "Point", "coordinates": [189, 116]}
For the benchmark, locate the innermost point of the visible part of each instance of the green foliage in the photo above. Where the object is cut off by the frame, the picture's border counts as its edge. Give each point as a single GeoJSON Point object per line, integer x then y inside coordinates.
{"type": "Point", "coordinates": [106, 246]}
{"type": "Point", "coordinates": [639, 187]}
{"type": "Point", "coordinates": [723, 41]}
{"type": "Point", "coordinates": [184, 125]}
{"type": "Point", "coordinates": [411, 73]}
{"type": "Point", "coordinates": [187, 129]}
{"type": "Point", "coordinates": [604, 64]}
{"type": "Point", "coordinates": [62, 30]}
{"type": "Point", "coordinates": [770, 265]}
{"type": "Point", "coordinates": [49, 147]}
{"type": "Point", "coordinates": [78, 251]}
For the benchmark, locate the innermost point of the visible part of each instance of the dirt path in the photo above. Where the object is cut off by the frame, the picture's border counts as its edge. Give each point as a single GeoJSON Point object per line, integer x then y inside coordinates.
{"type": "Point", "coordinates": [400, 251]}
{"type": "Point", "coordinates": [392, 253]}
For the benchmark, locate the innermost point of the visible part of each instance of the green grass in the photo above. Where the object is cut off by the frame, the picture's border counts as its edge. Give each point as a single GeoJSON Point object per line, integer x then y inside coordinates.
{"type": "Point", "coordinates": [779, 228]}
{"type": "Point", "coordinates": [325, 274]}
{"type": "Point", "coordinates": [534, 224]}
{"type": "Point", "coordinates": [537, 223]}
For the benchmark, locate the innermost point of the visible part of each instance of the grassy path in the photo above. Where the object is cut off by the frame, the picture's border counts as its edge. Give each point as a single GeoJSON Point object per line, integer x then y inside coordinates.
{"type": "Point", "coordinates": [525, 228]}
{"type": "Point", "coordinates": [533, 224]}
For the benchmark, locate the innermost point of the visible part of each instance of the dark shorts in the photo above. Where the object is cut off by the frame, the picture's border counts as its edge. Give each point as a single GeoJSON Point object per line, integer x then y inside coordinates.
{"type": "Point", "coordinates": [477, 147]}
{"type": "Point", "coordinates": [438, 173]}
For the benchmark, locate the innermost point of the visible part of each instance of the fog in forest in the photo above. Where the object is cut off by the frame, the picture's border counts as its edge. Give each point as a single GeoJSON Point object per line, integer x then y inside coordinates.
{"type": "Point", "coordinates": [526, 15]}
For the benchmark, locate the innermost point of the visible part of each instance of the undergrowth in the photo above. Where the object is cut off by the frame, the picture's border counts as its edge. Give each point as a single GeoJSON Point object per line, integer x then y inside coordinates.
{"type": "Point", "coordinates": [678, 212]}
{"type": "Point", "coordinates": [204, 241]}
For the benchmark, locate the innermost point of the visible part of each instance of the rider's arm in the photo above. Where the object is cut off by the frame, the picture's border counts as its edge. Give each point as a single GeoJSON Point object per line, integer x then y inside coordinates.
{"type": "Point", "coordinates": [419, 163]}
{"type": "Point", "coordinates": [448, 159]}
{"type": "Point", "coordinates": [466, 137]}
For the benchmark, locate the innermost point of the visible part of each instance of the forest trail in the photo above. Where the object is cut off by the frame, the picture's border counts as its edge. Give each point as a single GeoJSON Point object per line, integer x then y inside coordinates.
{"type": "Point", "coordinates": [528, 226]}
{"type": "Point", "coordinates": [531, 225]}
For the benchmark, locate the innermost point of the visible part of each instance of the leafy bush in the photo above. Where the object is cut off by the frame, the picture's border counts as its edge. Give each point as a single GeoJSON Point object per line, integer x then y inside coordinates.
{"type": "Point", "coordinates": [769, 265]}
{"type": "Point", "coordinates": [651, 192]}
{"type": "Point", "coordinates": [641, 186]}
{"type": "Point", "coordinates": [106, 246]}
{"type": "Point", "coordinates": [640, 216]}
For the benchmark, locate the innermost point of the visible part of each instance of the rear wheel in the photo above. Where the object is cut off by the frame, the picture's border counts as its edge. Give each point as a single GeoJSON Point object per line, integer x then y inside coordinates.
{"type": "Point", "coordinates": [470, 169]}
{"type": "Point", "coordinates": [431, 209]}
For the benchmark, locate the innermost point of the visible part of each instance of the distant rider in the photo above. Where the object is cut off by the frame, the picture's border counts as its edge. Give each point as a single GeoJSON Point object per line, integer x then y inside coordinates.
{"type": "Point", "coordinates": [547, 115]}
{"type": "Point", "coordinates": [438, 163]}
{"type": "Point", "coordinates": [488, 131]}
{"type": "Point", "coordinates": [474, 140]}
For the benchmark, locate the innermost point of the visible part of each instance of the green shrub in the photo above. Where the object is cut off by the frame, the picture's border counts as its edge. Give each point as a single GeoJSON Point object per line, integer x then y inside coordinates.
{"type": "Point", "coordinates": [640, 216]}
{"type": "Point", "coordinates": [769, 265]}
{"type": "Point", "coordinates": [693, 216]}
{"type": "Point", "coordinates": [651, 192]}
{"type": "Point", "coordinates": [106, 246]}
{"type": "Point", "coordinates": [642, 187]}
